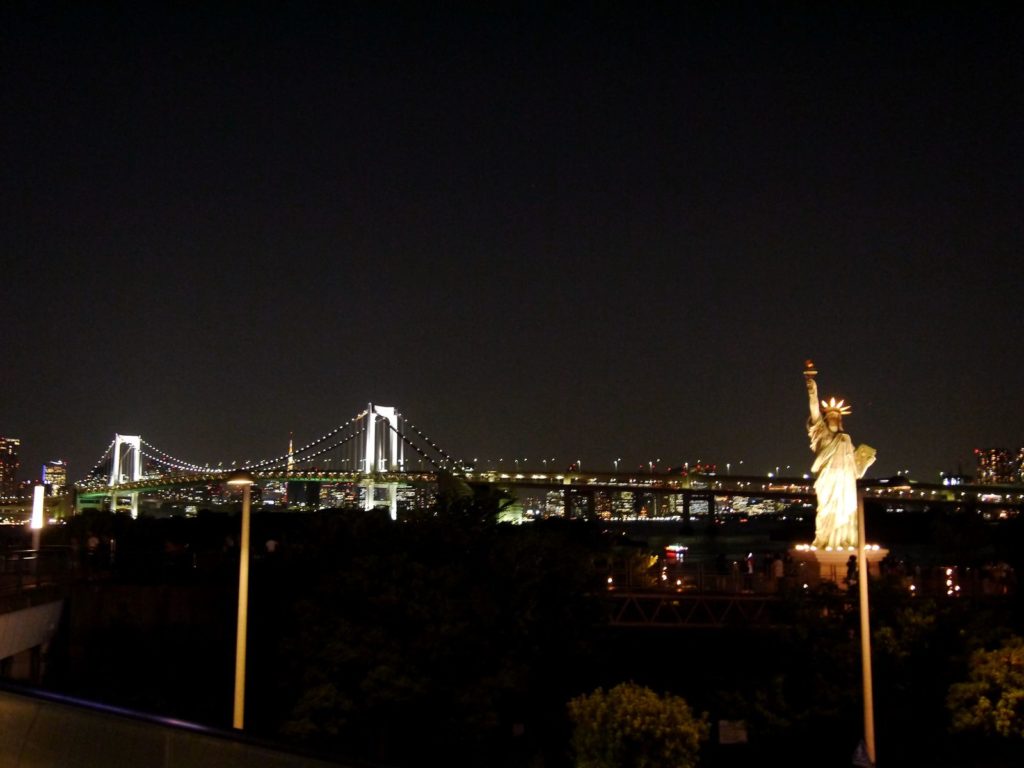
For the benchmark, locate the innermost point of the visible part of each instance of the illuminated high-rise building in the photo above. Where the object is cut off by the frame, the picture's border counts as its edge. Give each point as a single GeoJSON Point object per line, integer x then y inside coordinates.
{"type": "Point", "coordinates": [9, 465]}
{"type": "Point", "coordinates": [55, 476]}
{"type": "Point", "coordinates": [998, 466]}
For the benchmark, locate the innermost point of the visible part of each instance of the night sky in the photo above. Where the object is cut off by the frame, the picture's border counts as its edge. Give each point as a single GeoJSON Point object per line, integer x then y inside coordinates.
{"type": "Point", "coordinates": [577, 233]}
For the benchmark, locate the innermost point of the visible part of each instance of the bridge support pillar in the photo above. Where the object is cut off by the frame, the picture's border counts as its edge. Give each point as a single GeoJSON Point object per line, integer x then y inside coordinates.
{"type": "Point", "coordinates": [370, 499]}
{"type": "Point", "coordinates": [133, 502]}
{"type": "Point", "coordinates": [393, 500]}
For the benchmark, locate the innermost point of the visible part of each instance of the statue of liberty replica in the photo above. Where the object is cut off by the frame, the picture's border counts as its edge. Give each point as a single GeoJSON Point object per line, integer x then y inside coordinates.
{"type": "Point", "coordinates": [837, 466]}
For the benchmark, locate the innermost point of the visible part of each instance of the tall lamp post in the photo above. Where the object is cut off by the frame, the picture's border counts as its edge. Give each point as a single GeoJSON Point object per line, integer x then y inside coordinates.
{"type": "Point", "coordinates": [865, 631]}
{"type": "Point", "coordinates": [245, 480]}
{"type": "Point", "coordinates": [865, 625]}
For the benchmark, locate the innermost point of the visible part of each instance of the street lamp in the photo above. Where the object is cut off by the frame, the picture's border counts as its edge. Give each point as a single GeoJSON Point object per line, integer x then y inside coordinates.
{"type": "Point", "coordinates": [865, 627]}
{"type": "Point", "coordinates": [865, 632]}
{"type": "Point", "coordinates": [245, 480]}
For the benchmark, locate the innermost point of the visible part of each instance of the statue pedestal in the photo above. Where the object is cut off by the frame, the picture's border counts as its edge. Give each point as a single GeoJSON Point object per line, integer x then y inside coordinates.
{"type": "Point", "coordinates": [814, 566]}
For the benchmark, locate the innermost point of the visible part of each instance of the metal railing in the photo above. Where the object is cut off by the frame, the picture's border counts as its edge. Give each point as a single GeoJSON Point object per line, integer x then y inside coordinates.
{"type": "Point", "coordinates": [22, 570]}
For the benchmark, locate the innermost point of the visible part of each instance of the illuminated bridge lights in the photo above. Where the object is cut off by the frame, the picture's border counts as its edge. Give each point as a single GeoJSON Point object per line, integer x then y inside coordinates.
{"type": "Point", "coordinates": [343, 444]}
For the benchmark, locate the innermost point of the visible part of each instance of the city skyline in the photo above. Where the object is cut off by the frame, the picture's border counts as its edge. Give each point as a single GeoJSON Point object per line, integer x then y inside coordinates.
{"type": "Point", "coordinates": [991, 465]}
{"type": "Point", "coordinates": [602, 235]}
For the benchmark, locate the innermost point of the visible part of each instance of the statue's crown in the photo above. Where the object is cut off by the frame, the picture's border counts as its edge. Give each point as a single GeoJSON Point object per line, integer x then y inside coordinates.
{"type": "Point", "coordinates": [835, 406]}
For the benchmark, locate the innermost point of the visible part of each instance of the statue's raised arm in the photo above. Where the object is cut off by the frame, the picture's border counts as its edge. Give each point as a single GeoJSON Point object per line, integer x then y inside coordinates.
{"type": "Point", "coordinates": [812, 391]}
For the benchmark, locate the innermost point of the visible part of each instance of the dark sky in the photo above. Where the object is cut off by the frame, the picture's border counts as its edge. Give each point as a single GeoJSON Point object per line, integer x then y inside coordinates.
{"type": "Point", "coordinates": [568, 233]}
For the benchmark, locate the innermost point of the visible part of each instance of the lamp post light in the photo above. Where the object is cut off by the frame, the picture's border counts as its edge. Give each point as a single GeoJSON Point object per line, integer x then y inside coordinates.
{"type": "Point", "coordinates": [38, 517]}
{"type": "Point", "coordinates": [244, 479]}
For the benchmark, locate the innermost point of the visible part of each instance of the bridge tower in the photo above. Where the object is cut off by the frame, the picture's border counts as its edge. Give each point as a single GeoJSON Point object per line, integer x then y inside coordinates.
{"type": "Point", "coordinates": [383, 451]}
{"type": "Point", "coordinates": [132, 451]}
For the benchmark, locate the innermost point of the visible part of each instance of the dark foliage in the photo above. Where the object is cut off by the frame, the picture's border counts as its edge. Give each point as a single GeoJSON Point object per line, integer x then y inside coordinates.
{"type": "Point", "coordinates": [450, 631]}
